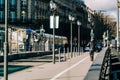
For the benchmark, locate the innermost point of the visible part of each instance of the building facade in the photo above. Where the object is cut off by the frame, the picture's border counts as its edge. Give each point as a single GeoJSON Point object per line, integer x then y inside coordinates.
{"type": "Point", "coordinates": [31, 14]}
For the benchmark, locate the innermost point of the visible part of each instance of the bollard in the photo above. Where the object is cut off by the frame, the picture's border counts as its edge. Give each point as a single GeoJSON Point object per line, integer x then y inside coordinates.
{"type": "Point", "coordinates": [79, 51]}
{"type": "Point", "coordinates": [64, 54]}
{"type": "Point", "coordinates": [73, 51]}
{"type": "Point", "coordinates": [82, 51]}
{"type": "Point", "coordinates": [68, 53]}
{"type": "Point", "coordinates": [59, 56]}
{"type": "Point", "coordinates": [76, 52]}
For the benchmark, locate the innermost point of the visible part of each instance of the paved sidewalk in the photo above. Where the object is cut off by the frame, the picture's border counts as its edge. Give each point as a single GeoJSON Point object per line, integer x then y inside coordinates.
{"type": "Point", "coordinates": [72, 69]}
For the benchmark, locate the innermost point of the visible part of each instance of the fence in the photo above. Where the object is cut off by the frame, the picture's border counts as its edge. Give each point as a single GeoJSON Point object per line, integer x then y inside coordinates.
{"type": "Point", "coordinates": [99, 70]}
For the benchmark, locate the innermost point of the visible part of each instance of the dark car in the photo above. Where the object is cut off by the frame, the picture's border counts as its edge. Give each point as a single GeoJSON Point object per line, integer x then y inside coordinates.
{"type": "Point", "coordinates": [98, 47]}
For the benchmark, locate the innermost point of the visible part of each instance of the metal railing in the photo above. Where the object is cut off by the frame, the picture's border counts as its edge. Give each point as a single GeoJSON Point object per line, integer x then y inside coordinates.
{"type": "Point", "coordinates": [114, 64]}
{"type": "Point", "coordinates": [99, 70]}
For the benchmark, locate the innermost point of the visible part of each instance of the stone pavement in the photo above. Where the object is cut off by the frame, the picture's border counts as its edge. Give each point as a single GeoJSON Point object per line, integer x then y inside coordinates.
{"type": "Point", "coordinates": [73, 69]}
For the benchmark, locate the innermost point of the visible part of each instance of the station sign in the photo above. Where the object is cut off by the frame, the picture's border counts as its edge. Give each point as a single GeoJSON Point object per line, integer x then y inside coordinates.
{"type": "Point", "coordinates": [54, 22]}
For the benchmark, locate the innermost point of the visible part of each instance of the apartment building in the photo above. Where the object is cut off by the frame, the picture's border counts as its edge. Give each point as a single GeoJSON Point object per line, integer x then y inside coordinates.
{"type": "Point", "coordinates": [31, 14]}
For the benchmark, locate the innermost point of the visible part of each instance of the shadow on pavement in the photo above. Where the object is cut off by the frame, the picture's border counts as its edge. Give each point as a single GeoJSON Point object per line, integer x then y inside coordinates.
{"type": "Point", "coordinates": [39, 59]}
{"type": "Point", "coordinates": [12, 68]}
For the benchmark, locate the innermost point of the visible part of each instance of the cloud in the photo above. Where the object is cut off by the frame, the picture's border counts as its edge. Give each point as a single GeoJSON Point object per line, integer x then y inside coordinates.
{"type": "Point", "coordinates": [109, 6]}
{"type": "Point", "coordinates": [101, 4]}
{"type": "Point", "coordinates": [112, 13]}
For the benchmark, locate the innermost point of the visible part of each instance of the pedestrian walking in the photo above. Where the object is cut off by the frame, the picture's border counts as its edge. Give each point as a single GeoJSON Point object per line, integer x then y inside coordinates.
{"type": "Point", "coordinates": [92, 49]}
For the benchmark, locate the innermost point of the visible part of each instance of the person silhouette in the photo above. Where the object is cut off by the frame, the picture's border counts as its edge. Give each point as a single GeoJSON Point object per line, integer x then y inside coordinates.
{"type": "Point", "coordinates": [92, 49]}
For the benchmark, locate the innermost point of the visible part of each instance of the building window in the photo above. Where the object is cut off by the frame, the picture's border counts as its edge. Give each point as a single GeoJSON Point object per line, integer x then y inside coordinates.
{"type": "Point", "coordinates": [24, 4]}
{"type": "Point", "coordinates": [35, 17]}
{"type": "Point", "coordinates": [13, 4]}
{"type": "Point", "coordinates": [2, 16]}
{"type": "Point", "coordinates": [35, 3]}
{"type": "Point", "coordinates": [12, 16]}
{"type": "Point", "coordinates": [2, 3]}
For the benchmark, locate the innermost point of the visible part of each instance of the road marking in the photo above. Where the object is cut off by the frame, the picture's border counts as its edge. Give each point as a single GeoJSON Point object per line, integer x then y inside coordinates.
{"type": "Point", "coordinates": [58, 75]}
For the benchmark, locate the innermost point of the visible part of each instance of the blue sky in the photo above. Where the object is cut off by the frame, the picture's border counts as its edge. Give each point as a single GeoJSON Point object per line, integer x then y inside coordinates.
{"type": "Point", "coordinates": [108, 6]}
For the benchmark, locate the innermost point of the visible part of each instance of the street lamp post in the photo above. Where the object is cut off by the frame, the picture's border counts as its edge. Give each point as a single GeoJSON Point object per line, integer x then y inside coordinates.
{"type": "Point", "coordinates": [42, 31]}
{"type": "Point", "coordinates": [91, 33]}
{"type": "Point", "coordinates": [71, 18]}
{"type": "Point", "coordinates": [6, 42]}
{"type": "Point", "coordinates": [79, 24]}
{"type": "Point", "coordinates": [92, 42]}
{"type": "Point", "coordinates": [117, 37]}
{"type": "Point", "coordinates": [107, 37]}
{"type": "Point", "coordinates": [53, 9]}
{"type": "Point", "coordinates": [104, 39]}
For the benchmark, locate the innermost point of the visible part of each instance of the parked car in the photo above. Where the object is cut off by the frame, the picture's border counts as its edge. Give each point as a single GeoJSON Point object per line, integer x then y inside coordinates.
{"type": "Point", "coordinates": [87, 47]}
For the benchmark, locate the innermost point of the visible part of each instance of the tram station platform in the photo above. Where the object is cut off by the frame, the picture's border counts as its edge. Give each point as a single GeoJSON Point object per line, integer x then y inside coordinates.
{"type": "Point", "coordinates": [74, 68]}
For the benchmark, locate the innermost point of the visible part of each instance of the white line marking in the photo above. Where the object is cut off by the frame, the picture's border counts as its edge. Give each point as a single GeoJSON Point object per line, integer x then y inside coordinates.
{"type": "Point", "coordinates": [58, 75]}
